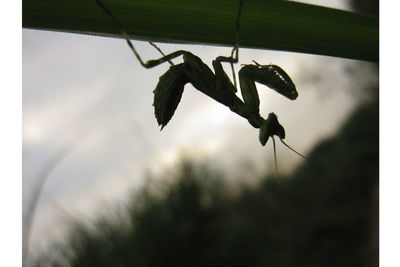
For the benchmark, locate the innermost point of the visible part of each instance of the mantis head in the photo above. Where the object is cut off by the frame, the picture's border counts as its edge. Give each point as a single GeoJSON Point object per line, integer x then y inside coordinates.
{"type": "Point", "coordinates": [269, 128]}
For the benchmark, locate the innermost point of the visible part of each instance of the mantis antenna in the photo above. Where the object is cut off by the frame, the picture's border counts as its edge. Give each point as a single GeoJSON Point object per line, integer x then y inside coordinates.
{"type": "Point", "coordinates": [304, 157]}
{"type": "Point", "coordinates": [276, 161]}
{"type": "Point", "coordinates": [272, 127]}
{"type": "Point", "coordinates": [283, 142]}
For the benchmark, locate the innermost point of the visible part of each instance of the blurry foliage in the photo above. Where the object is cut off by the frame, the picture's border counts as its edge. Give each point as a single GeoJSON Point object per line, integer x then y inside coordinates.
{"type": "Point", "coordinates": [370, 7]}
{"type": "Point", "coordinates": [318, 216]}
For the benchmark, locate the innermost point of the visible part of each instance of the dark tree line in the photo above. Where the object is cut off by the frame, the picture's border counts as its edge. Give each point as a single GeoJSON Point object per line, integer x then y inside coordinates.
{"type": "Point", "coordinates": [318, 216]}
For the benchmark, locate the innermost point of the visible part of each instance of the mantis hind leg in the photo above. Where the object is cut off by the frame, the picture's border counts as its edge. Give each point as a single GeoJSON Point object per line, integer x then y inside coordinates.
{"type": "Point", "coordinates": [161, 52]}
{"type": "Point", "coordinates": [235, 50]}
{"type": "Point", "coordinates": [149, 63]}
{"type": "Point", "coordinates": [232, 59]}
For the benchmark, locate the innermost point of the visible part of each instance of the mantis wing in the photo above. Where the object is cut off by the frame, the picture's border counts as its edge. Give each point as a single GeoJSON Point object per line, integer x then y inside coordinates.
{"type": "Point", "coordinates": [168, 94]}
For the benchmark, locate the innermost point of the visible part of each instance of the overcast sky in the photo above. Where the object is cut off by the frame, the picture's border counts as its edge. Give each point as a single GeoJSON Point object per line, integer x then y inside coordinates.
{"type": "Point", "coordinates": [87, 99]}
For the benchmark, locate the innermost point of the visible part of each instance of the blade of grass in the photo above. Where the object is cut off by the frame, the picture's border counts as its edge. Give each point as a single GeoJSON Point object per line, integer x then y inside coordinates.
{"type": "Point", "coordinates": [275, 25]}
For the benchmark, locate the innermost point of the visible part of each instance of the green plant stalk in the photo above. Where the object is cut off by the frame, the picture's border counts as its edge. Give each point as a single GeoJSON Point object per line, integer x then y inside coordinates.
{"type": "Point", "coordinates": [274, 25]}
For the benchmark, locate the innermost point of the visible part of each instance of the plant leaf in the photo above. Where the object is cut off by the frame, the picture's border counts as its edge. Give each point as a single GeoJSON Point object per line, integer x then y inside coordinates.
{"type": "Point", "coordinates": [265, 24]}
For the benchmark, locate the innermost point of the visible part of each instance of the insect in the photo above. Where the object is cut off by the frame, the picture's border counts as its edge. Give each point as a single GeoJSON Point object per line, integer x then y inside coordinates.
{"type": "Point", "coordinates": [217, 85]}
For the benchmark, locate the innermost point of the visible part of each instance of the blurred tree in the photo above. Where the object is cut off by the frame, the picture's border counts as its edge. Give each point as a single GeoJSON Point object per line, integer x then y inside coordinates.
{"type": "Point", "coordinates": [370, 7]}
{"type": "Point", "coordinates": [318, 216]}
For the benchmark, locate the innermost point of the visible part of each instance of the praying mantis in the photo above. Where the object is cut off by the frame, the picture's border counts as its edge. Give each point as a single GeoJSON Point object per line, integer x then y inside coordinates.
{"type": "Point", "coordinates": [217, 85]}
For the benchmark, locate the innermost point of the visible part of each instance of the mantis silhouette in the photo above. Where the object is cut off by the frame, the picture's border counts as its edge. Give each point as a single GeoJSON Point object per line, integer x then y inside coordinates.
{"type": "Point", "coordinates": [217, 85]}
